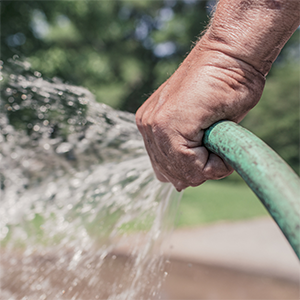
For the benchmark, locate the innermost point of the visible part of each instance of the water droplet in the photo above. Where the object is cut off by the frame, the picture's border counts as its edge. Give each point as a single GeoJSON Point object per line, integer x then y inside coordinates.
{"type": "Point", "coordinates": [71, 121]}
{"type": "Point", "coordinates": [46, 146]}
{"type": "Point", "coordinates": [63, 148]}
{"type": "Point", "coordinates": [37, 74]}
{"type": "Point", "coordinates": [16, 106]}
{"type": "Point", "coordinates": [43, 108]}
{"type": "Point", "coordinates": [36, 127]}
{"type": "Point", "coordinates": [83, 101]}
{"type": "Point", "coordinates": [14, 155]}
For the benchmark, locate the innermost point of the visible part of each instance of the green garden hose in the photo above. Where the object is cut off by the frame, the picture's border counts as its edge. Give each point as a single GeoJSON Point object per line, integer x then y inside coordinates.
{"type": "Point", "coordinates": [266, 173]}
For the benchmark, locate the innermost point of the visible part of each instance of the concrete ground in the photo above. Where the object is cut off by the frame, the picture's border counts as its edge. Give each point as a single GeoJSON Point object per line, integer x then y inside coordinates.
{"type": "Point", "coordinates": [248, 260]}
{"type": "Point", "coordinates": [256, 246]}
{"type": "Point", "coordinates": [245, 260]}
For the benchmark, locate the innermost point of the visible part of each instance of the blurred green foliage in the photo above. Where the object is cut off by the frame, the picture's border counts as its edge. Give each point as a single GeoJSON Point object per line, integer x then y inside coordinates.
{"type": "Point", "coordinates": [120, 50]}
{"type": "Point", "coordinates": [276, 117]}
{"type": "Point", "coordinates": [218, 201]}
{"type": "Point", "coordinates": [123, 50]}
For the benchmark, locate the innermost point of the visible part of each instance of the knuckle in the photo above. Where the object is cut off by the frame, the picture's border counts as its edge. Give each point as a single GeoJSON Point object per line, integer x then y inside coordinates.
{"type": "Point", "coordinates": [195, 179]}
{"type": "Point", "coordinates": [216, 173]}
{"type": "Point", "coordinates": [197, 183]}
{"type": "Point", "coordinates": [138, 119]}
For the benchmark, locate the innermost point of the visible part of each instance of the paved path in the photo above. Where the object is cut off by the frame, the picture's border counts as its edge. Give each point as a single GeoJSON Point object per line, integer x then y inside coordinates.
{"type": "Point", "coordinates": [256, 246]}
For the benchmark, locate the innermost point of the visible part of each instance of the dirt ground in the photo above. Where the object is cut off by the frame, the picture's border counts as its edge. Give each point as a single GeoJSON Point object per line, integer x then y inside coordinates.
{"type": "Point", "coordinates": [199, 281]}
{"type": "Point", "coordinates": [248, 260]}
{"type": "Point", "coordinates": [47, 277]}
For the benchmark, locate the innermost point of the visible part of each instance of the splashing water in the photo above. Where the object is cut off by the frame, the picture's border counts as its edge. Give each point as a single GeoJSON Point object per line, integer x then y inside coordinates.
{"type": "Point", "coordinates": [81, 213]}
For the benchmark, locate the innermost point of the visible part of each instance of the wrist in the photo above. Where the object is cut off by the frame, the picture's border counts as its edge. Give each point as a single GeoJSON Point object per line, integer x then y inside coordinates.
{"type": "Point", "coordinates": [234, 86]}
{"type": "Point", "coordinates": [253, 32]}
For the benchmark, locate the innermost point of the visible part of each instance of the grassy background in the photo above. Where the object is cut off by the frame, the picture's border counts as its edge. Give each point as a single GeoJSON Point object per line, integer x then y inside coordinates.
{"type": "Point", "coordinates": [218, 201]}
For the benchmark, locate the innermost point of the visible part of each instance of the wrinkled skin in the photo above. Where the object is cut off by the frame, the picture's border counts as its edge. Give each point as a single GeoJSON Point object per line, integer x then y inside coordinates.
{"type": "Point", "coordinates": [208, 86]}
{"type": "Point", "coordinates": [222, 78]}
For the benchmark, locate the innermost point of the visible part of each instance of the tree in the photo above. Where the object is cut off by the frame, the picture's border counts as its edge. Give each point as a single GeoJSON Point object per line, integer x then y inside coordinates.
{"type": "Point", "coordinates": [123, 50]}
{"type": "Point", "coordinates": [120, 50]}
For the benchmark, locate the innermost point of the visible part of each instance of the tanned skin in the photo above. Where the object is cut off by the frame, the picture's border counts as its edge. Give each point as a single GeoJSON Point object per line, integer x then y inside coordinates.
{"type": "Point", "coordinates": [222, 78]}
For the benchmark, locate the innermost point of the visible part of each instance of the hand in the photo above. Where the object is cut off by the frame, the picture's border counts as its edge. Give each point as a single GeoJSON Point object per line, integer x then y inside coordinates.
{"type": "Point", "coordinates": [209, 86]}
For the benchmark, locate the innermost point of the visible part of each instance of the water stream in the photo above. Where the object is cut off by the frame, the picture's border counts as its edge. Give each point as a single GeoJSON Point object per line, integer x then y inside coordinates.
{"type": "Point", "coordinates": [81, 213]}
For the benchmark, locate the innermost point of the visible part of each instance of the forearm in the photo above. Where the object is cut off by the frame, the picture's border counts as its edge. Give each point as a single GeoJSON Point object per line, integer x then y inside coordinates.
{"type": "Point", "coordinates": [253, 31]}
